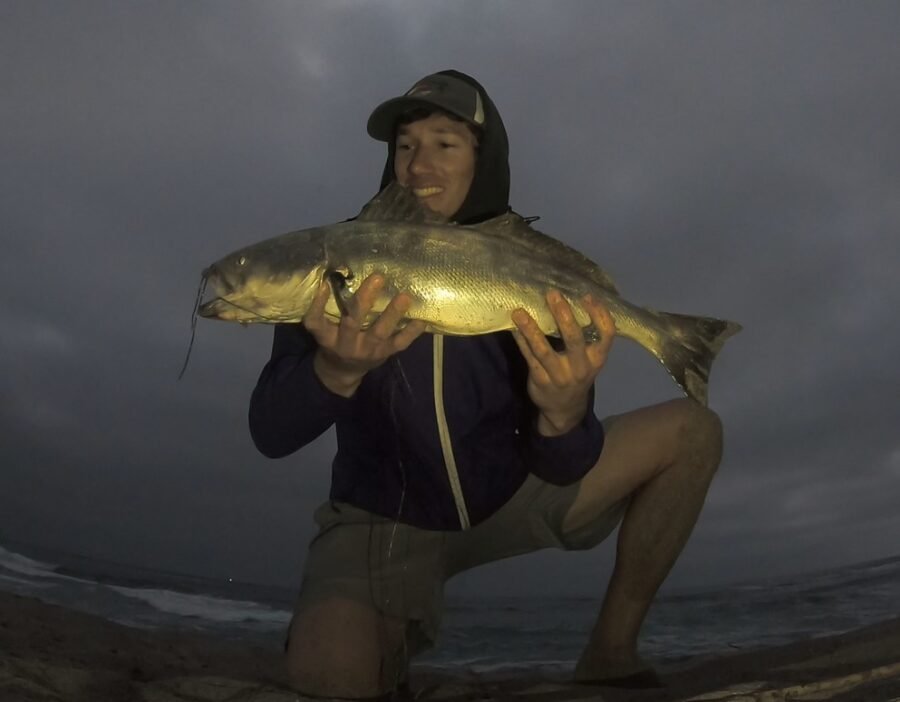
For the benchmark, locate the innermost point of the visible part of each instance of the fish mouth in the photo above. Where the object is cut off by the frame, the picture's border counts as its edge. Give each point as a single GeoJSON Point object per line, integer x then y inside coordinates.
{"type": "Point", "coordinates": [214, 308]}
{"type": "Point", "coordinates": [228, 311]}
{"type": "Point", "coordinates": [219, 306]}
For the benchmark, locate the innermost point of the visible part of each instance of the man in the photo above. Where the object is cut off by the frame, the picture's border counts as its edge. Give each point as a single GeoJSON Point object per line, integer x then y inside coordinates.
{"type": "Point", "coordinates": [453, 452]}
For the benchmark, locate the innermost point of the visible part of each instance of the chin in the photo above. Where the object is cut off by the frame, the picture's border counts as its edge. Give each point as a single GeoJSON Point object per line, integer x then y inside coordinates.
{"type": "Point", "coordinates": [434, 207]}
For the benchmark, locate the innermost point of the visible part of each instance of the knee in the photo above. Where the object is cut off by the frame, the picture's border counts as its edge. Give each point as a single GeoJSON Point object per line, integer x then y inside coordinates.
{"type": "Point", "coordinates": [339, 648]}
{"type": "Point", "coordinates": [700, 433]}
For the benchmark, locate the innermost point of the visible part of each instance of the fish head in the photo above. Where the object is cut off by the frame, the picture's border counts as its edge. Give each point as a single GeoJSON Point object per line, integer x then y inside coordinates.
{"type": "Point", "coordinates": [273, 281]}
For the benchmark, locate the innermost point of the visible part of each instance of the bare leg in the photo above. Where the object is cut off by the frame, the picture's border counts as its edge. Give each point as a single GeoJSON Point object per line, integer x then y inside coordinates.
{"type": "Point", "coordinates": [665, 456]}
{"type": "Point", "coordinates": [340, 648]}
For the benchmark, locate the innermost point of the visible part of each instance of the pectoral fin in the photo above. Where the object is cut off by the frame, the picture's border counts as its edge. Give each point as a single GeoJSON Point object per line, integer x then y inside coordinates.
{"type": "Point", "coordinates": [342, 294]}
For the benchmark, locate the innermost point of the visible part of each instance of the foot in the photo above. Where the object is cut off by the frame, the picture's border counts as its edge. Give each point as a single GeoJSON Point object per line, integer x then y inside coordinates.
{"type": "Point", "coordinates": [630, 671]}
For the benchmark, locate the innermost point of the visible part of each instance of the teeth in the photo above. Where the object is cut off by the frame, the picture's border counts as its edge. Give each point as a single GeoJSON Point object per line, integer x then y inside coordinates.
{"type": "Point", "coordinates": [425, 192]}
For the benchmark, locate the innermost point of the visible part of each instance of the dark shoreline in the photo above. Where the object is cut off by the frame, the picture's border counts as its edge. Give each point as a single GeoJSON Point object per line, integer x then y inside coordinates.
{"type": "Point", "coordinates": [49, 652]}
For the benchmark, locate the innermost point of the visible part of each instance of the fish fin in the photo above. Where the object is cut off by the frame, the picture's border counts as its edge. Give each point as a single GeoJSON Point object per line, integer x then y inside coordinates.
{"type": "Point", "coordinates": [396, 203]}
{"type": "Point", "coordinates": [517, 230]}
{"type": "Point", "coordinates": [338, 283]}
{"type": "Point", "coordinates": [690, 347]}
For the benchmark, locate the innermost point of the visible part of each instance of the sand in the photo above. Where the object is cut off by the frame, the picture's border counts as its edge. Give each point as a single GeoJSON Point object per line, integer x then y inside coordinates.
{"type": "Point", "coordinates": [52, 653]}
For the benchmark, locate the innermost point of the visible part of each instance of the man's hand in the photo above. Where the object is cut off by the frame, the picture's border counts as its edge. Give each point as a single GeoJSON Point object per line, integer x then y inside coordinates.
{"type": "Point", "coordinates": [559, 382]}
{"type": "Point", "coordinates": [347, 352]}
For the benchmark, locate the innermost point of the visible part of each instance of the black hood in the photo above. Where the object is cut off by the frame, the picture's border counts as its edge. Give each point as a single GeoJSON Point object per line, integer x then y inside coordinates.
{"type": "Point", "coordinates": [489, 194]}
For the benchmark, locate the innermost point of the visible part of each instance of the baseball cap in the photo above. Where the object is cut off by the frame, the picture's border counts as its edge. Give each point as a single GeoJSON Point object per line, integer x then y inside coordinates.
{"type": "Point", "coordinates": [449, 93]}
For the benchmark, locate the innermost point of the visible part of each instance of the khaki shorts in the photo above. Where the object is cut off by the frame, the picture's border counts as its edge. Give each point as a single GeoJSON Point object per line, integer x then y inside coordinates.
{"type": "Point", "coordinates": [400, 570]}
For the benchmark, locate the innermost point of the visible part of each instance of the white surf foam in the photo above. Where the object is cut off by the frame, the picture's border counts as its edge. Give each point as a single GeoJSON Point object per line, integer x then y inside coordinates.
{"type": "Point", "coordinates": [217, 609]}
{"type": "Point", "coordinates": [26, 566]}
{"type": "Point", "coordinates": [23, 565]}
{"type": "Point", "coordinates": [31, 584]}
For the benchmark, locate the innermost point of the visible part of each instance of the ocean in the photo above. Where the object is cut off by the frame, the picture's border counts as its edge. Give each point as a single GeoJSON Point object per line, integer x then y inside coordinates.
{"type": "Point", "coordinates": [486, 634]}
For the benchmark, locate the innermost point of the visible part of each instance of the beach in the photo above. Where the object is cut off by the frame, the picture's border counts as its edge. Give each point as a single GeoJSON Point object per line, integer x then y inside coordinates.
{"type": "Point", "coordinates": [49, 653]}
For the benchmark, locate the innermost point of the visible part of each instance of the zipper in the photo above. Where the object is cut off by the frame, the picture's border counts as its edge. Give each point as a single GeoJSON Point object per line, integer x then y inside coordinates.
{"type": "Point", "coordinates": [444, 432]}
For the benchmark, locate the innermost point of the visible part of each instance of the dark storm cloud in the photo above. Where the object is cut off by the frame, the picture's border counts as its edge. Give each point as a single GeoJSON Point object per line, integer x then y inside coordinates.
{"type": "Point", "coordinates": [730, 160]}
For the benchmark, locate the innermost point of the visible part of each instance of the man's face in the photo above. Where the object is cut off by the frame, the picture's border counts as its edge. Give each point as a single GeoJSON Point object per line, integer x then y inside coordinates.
{"type": "Point", "coordinates": [435, 157]}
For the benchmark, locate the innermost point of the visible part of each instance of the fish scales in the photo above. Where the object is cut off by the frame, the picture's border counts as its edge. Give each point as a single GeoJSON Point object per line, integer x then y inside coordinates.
{"type": "Point", "coordinates": [461, 282]}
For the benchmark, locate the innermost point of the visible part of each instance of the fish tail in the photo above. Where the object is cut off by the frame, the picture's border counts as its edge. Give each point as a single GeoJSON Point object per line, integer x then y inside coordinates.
{"type": "Point", "coordinates": [690, 347]}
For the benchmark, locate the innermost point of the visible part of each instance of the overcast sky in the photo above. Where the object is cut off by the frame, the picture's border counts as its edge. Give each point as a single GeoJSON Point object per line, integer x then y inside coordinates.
{"type": "Point", "coordinates": [739, 160]}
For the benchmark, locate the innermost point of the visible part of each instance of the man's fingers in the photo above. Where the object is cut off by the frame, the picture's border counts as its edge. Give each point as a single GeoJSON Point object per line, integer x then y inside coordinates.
{"type": "Point", "coordinates": [412, 331]}
{"type": "Point", "coordinates": [605, 324]}
{"type": "Point", "coordinates": [387, 321]}
{"type": "Point", "coordinates": [541, 357]}
{"type": "Point", "coordinates": [538, 372]}
{"type": "Point", "coordinates": [358, 307]}
{"type": "Point", "coordinates": [565, 321]}
{"type": "Point", "coordinates": [364, 298]}
{"type": "Point", "coordinates": [531, 334]}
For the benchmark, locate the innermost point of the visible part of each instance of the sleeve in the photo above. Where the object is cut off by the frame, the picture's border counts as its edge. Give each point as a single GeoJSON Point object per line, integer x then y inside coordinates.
{"type": "Point", "coordinates": [563, 459]}
{"type": "Point", "coordinates": [290, 406]}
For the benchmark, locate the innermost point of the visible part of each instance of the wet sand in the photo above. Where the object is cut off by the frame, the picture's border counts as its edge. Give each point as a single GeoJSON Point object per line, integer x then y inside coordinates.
{"type": "Point", "coordinates": [52, 653]}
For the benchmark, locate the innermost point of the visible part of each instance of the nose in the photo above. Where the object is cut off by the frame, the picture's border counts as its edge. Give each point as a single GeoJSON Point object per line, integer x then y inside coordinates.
{"type": "Point", "coordinates": [420, 163]}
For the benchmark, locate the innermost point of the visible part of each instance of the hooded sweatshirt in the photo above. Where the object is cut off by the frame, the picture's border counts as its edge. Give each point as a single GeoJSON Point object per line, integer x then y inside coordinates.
{"type": "Point", "coordinates": [442, 434]}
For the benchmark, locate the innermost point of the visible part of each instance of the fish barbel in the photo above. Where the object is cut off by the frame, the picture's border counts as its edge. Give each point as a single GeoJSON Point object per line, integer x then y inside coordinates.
{"type": "Point", "coordinates": [462, 279]}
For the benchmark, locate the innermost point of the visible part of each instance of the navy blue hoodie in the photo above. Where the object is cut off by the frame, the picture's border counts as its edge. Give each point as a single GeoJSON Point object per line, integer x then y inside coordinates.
{"type": "Point", "coordinates": [442, 434]}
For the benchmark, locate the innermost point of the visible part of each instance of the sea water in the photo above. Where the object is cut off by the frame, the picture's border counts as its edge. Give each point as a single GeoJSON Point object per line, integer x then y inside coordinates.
{"type": "Point", "coordinates": [486, 633]}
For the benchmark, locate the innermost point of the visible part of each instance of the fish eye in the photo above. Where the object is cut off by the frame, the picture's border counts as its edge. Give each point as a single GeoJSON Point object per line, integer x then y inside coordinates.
{"type": "Point", "coordinates": [242, 260]}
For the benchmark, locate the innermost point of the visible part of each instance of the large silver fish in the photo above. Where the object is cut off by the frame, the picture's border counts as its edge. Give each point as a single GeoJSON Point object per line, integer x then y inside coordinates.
{"type": "Point", "coordinates": [463, 280]}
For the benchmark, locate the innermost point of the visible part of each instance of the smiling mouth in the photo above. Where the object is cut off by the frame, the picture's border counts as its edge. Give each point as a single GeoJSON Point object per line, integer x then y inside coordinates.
{"type": "Point", "coordinates": [427, 192]}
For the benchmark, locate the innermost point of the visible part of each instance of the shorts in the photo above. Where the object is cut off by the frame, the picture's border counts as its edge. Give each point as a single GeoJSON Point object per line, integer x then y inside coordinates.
{"type": "Point", "coordinates": [400, 569]}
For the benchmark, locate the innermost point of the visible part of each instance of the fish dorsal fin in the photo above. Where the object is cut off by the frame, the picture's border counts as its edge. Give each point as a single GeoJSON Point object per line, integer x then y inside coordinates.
{"type": "Point", "coordinates": [396, 203]}
{"type": "Point", "coordinates": [515, 229]}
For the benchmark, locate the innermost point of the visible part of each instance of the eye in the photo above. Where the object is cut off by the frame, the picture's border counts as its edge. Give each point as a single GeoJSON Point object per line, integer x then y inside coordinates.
{"type": "Point", "coordinates": [242, 260]}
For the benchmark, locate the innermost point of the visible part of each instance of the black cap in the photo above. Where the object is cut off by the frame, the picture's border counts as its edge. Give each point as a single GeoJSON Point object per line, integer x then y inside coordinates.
{"type": "Point", "coordinates": [447, 92]}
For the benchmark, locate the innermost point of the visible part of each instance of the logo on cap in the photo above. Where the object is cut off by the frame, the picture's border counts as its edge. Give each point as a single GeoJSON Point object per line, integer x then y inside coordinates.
{"type": "Point", "coordinates": [420, 89]}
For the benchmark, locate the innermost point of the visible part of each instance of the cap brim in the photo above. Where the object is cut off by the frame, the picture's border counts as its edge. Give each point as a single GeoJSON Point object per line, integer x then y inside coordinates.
{"type": "Point", "coordinates": [382, 120]}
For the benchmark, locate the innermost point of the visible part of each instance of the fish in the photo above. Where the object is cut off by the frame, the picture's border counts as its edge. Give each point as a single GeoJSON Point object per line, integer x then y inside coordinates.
{"type": "Point", "coordinates": [462, 280]}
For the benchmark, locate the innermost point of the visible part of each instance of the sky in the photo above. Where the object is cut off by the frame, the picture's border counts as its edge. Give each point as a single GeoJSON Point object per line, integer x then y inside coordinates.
{"type": "Point", "coordinates": [736, 160]}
